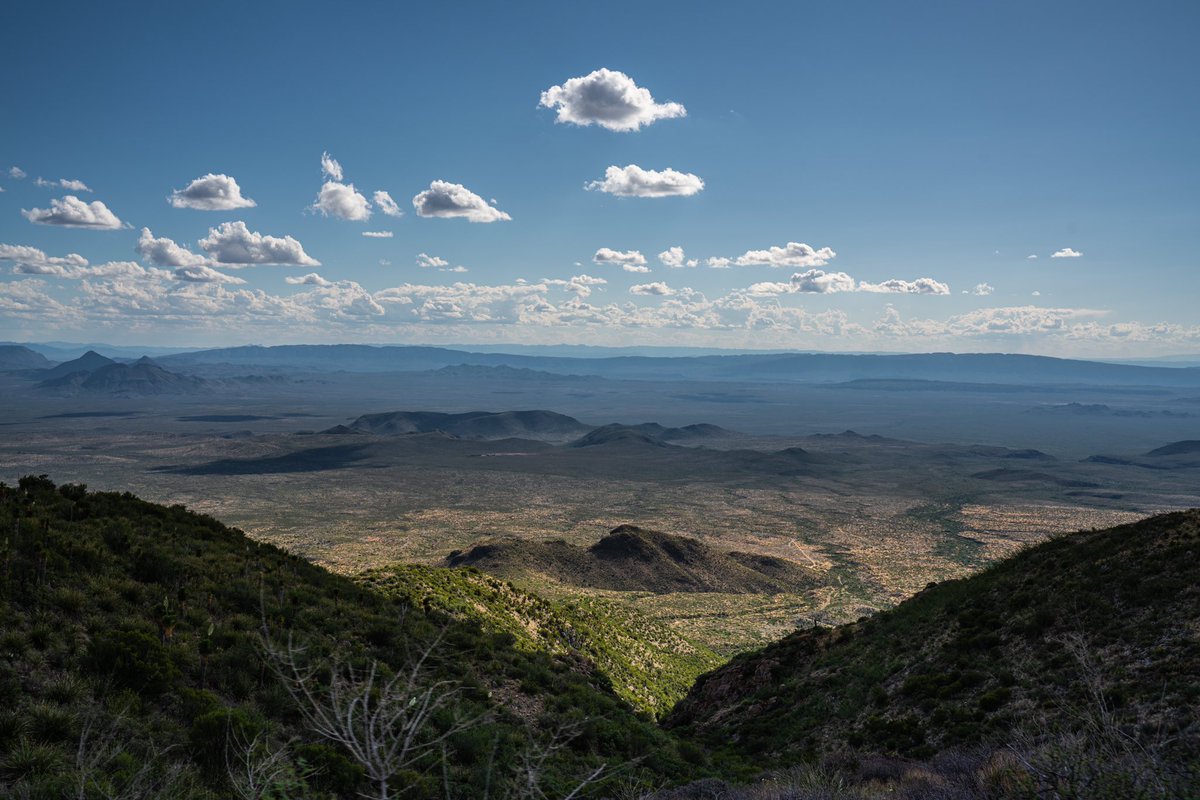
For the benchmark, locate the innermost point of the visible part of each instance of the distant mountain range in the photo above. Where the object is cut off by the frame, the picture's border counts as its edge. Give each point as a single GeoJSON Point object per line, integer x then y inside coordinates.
{"type": "Point", "coordinates": [874, 372]}
{"type": "Point", "coordinates": [93, 373]}
{"type": "Point", "coordinates": [16, 357]}
{"type": "Point", "coordinates": [770, 367]}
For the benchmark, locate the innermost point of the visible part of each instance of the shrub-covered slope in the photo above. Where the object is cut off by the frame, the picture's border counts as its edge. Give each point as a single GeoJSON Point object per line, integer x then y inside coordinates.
{"type": "Point", "coordinates": [131, 665]}
{"type": "Point", "coordinates": [648, 664]}
{"type": "Point", "coordinates": [1095, 634]}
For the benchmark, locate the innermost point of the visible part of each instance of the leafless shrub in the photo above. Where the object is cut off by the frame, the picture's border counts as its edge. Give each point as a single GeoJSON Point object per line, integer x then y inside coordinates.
{"type": "Point", "coordinates": [258, 768]}
{"type": "Point", "coordinates": [385, 722]}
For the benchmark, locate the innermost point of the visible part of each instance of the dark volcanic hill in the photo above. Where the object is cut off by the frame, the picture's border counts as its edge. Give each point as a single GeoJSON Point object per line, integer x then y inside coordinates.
{"type": "Point", "coordinates": [143, 377]}
{"type": "Point", "coordinates": [634, 559]}
{"type": "Point", "coordinates": [536, 425]}
{"type": "Point", "coordinates": [1187, 447]}
{"type": "Point", "coordinates": [1005, 475]}
{"type": "Point", "coordinates": [1176, 455]}
{"type": "Point", "coordinates": [1091, 634]}
{"type": "Point", "coordinates": [88, 362]}
{"type": "Point", "coordinates": [619, 436]}
{"type": "Point", "coordinates": [14, 356]}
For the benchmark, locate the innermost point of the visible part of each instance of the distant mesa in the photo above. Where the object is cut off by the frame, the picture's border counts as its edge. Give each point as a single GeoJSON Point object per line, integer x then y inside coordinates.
{"type": "Point", "coordinates": [1028, 454]}
{"type": "Point", "coordinates": [225, 418]}
{"type": "Point", "coordinates": [1183, 454]}
{"type": "Point", "coordinates": [1032, 476]}
{"type": "Point", "coordinates": [1186, 447]}
{"type": "Point", "coordinates": [15, 357]}
{"type": "Point", "coordinates": [505, 372]}
{"type": "Point", "coordinates": [1102, 410]}
{"type": "Point", "coordinates": [535, 425]}
{"type": "Point", "coordinates": [630, 558]}
{"type": "Point", "coordinates": [850, 435]}
{"type": "Point", "coordinates": [648, 434]}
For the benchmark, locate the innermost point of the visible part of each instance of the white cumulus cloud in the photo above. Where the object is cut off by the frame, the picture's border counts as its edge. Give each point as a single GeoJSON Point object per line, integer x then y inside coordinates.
{"type": "Point", "coordinates": [817, 281]}
{"type": "Point", "coordinates": [633, 181]}
{"type": "Point", "coordinates": [211, 192]}
{"type": "Point", "coordinates": [71, 212]}
{"type": "Point", "coordinates": [426, 261]}
{"type": "Point", "coordinates": [626, 259]}
{"type": "Point", "coordinates": [674, 258]}
{"type": "Point", "coordinates": [377, 234]}
{"type": "Point", "coordinates": [234, 244]}
{"type": "Point", "coordinates": [1066, 252]}
{"type": "Point", "coordinates": [330, 167]}
{"type": "Point", "coordinates": [311, 279]}
{"type": "Point", "coordinates": [607, 98]}
{"type": "Point", "coordinates": [343, 201]}
{"type": "Point", "coordinates": [981, 289]}
{"type": "Point", "coordinates": [24, 255]}
{"type": "Point", "coordinates": [793, 254]}
{"type": "Point", "coordinates": [164, 252]}
{"type": "Point", "coordinates": [898, 286]}
{"type": "Point", "coordinates": [386, 204]}
{"type": "Point", "coordinates": [204, 274]}
{"type": "Point", "coordinates": [656, 289]}
{"type": "Point", "coordinates": [63, 183]}
{"type": "Point", "coordinates": [445, 199]}
{"type": "Point", "coordinates": [17, 173]}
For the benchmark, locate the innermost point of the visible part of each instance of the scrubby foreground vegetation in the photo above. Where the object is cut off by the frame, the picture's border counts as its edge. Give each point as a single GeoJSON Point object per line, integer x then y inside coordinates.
{"type": "Point", "coordinates": [647, 664]}
{"type": "Point", "coordinates": [148, 651]}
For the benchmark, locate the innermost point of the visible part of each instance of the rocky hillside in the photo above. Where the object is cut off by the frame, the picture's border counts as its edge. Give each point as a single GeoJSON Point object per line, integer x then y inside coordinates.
{"type": "Point", "coordinates": [633, 559]}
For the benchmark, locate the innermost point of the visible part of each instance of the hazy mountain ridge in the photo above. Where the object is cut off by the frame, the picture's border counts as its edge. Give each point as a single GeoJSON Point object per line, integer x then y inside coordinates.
{"type": "Point", "coordinates": [143, 377]}
{"type": "Point", "coordinates": [966, 368]}
{"type": "Point", "coordinates": [18, 357]}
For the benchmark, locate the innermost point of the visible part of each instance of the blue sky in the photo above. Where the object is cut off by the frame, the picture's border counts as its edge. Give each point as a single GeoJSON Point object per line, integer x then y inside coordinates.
{"type": "Point", "coordinates": [939, 141]}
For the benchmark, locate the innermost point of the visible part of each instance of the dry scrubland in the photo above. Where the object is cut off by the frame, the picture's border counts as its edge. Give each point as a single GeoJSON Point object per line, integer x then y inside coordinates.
{"type": "Point", "coordinates": [878, 520]}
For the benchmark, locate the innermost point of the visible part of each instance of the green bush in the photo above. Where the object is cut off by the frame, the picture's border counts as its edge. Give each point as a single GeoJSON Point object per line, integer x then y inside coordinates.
{"type": "Point", "coordinates": [133, 660]}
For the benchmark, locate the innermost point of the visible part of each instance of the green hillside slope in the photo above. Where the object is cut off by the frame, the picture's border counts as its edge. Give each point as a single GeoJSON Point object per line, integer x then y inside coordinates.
{"type": "Point", "coordinates": [648, 664]}
{"type": "Point", "coordinates": [1092, 637]}
{"type": "Point", "coordinates": [131, 665]}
